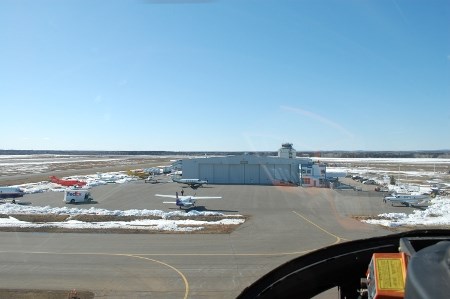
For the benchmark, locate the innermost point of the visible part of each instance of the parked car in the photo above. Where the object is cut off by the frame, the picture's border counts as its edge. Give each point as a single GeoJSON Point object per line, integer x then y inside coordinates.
{"type": "Point", "coordinates": [369, 182]}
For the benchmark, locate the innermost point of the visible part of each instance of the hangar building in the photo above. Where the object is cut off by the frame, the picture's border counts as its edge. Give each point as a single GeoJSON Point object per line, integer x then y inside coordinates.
{"type": "Point", "coordinates": [250, 169]}
{"type": "Point", "coordinates": [243, 169]}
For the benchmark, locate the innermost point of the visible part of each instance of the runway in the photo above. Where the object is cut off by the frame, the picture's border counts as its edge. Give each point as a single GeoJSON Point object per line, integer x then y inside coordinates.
{"type": "Point", "coordinates": [283, 223]}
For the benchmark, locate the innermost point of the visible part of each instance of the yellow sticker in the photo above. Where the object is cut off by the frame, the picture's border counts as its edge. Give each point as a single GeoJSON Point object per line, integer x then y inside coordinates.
{"type": "Point", "coordinates": [390, 274]}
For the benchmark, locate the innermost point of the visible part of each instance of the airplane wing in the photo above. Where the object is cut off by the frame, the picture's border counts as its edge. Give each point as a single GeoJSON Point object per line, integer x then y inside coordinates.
{"type": "Point", "coordinates": [166, 195]}
{"type": "Point", "coordinates": [174, 202]}
{"type": "Point", "coordinates": [193, 197]}
{"type": "Point", "coordinates": [206, 197]}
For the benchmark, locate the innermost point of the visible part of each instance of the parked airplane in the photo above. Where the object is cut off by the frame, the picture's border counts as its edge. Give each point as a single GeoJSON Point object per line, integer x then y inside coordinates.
{"type": "Point", "coordinates": [186, 201]}
{"type": "Point", "coordinates": [67, 183]}
{"type": "Point", "coordinates": [193, 183]}
{"type": "Point", "coordinates": [407, 199]}
{"type": "Point", "coordinates": [11, 192]}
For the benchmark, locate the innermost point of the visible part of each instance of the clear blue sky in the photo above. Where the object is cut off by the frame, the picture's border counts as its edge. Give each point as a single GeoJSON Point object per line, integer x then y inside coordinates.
{"type": "Point", "coordinates": [225, 75]}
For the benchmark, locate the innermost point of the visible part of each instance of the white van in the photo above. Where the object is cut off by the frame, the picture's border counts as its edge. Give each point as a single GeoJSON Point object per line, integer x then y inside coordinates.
{"type": "Point", "coordinates": [77, 195]}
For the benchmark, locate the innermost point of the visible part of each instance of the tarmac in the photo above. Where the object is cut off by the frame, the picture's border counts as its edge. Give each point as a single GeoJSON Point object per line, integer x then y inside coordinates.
{"type": "Point", "coordinates": [283, 223]}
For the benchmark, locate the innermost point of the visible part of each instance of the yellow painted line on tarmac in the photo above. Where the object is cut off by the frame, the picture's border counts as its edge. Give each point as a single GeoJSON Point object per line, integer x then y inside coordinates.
{"type": "Point", "coordinates": [227, 254]}
{"type": "Point", "coordinates": [186, 284]}
{"type": "Point", "coordinates": [169, 254]}
{"type": "Point", "coordinates": [338, 239]}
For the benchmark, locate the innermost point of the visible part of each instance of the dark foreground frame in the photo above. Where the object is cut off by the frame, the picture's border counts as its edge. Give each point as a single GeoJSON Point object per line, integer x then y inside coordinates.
{"type": "Point", "coordinates": [342, 265]}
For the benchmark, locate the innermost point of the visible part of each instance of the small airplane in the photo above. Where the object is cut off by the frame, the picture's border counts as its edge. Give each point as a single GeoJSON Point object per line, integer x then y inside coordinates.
{"type": "Point", "coordinates": [151, 179]}
{"type": "Point", "coordinates": [67, 183]}
{"type": "Point", "coordinates": [193, 183]}
{"type": "Point", "coordinates": [406, 199]}
{"type": "Point", "coordinates": [186, 201]}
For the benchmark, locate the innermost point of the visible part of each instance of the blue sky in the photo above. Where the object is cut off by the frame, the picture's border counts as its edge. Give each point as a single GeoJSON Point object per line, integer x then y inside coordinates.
{"type": "Point", "coordinates": [225, 75]}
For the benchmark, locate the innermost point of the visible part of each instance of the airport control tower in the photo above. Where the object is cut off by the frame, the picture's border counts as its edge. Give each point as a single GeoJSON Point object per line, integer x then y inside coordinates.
{"type": "Point", "coordinates": [287, 151]}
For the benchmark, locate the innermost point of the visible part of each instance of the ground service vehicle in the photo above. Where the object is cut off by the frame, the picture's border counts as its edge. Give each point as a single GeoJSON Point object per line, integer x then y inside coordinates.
{"type": "Point", "coordinates": [77, 196]}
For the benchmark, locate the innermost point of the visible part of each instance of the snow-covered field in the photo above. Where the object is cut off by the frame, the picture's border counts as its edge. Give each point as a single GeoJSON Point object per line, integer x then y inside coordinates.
{"type": "Point", "coordinates": [436, 214]}
{"type": "Point", "coordinates": [414, 176]}
{"type": "Point", "coordinates": [22, 164]}
{"type": "Point", "coordinates": [163, 223]}
{"type": "Point", "coordinates": [405, 170]}
{"type": "Point", "coordinates": [185, 221]}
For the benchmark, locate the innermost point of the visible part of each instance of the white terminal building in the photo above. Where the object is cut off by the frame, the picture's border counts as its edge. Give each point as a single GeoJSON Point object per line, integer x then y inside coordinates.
{"type": "Point", "coordinates": [284, 169]}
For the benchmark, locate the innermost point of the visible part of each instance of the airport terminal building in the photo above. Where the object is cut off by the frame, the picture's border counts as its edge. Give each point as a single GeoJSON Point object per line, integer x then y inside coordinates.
{"type": "Point", "coordinates": [284, 169]}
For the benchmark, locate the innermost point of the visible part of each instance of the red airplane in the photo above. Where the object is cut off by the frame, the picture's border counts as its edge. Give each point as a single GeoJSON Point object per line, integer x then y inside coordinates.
{"type": "Point", "coordinates": [67, 183]}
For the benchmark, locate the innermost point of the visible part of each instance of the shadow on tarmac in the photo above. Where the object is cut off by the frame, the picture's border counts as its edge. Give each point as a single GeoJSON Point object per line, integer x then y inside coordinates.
{"type": "Point", "coordinates": [92, 202]}
{"type": "Point", "coordinates": [204, 209]}
{"type": "Point", "coordinates": [423, 208]}
{"type": "Point", "coordinates": [17, 202]}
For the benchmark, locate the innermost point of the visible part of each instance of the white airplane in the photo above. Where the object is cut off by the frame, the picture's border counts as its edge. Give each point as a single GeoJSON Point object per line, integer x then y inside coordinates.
{"type": "Point", "coordinates": [193, 183]}
{"type": "Point", "coordinates": [186, 201]}
{"type": "Point", "coordinates": [407, 199]}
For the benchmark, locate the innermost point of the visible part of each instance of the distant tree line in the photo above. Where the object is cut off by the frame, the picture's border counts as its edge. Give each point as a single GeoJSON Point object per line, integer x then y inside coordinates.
{"type": "Point", "coordinates": [114, 153]}
{"type": "Point", "coordinates": [378, 154]}
{"type": "Point", "coordinates": [326, 154]}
